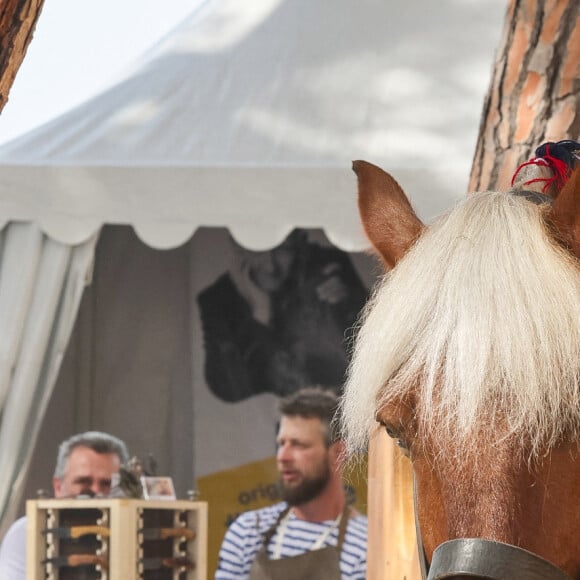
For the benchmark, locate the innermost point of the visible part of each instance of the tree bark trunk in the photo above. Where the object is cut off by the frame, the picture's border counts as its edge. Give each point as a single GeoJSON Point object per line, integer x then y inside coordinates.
{"type": "Point", "coordinates": [17, 21]}
{"type": "Point", "coordinates": [534, 95]}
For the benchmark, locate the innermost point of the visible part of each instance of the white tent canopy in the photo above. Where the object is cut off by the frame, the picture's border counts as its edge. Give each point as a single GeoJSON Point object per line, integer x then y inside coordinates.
{"type": "Point", "coordinates": [249, 115]}
{"type": "Point", "coordinates": [246, 117]}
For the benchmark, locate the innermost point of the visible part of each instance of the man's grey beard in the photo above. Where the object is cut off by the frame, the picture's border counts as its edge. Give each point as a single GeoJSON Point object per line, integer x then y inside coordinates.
{"type": "Point", "coordinates": [307, 490]}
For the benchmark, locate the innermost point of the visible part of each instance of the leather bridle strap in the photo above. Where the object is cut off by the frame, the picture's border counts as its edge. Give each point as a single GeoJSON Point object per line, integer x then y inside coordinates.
{"type": "Point", "coordinates": [480, 558]}
{"type": "Point", "coordinates": [423, 564]}
{"type": "Point", "coordinates": [533, 196]}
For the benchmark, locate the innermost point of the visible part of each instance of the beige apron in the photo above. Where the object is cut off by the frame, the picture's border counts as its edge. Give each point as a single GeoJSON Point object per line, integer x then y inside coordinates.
{"type": "Point", "coordinates": [322, 564]}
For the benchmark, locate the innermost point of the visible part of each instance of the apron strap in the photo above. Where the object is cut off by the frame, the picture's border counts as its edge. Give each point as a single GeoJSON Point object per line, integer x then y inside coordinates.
{"type": "Point", "coordinates": [343, 525]}
{"type": "Point", "coordinates": [284, 513]}
{"type": "Point", "coordinates": [272, 530]}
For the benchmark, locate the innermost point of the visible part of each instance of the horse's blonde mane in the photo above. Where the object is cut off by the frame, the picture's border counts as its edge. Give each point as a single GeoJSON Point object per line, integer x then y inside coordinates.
{"type": "Point", "coordinates": [482, 316]}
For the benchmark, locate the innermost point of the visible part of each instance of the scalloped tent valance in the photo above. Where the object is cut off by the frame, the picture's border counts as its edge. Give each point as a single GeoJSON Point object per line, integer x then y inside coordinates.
{"type": "Point", "coordinates": [248, 116]}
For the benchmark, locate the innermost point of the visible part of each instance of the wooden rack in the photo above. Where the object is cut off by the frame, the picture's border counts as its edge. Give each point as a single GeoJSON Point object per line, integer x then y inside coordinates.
{"type": "Point", "coordinates": [116, 539]}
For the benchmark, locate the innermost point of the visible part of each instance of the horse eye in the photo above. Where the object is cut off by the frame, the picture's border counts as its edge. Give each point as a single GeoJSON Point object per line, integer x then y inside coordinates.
{"type": "Point", "coordinates": [393, 434]}
{"type": "Point", "coordinates": [401, 443]}
{"type": "Point", "coordinates": [390, 431]}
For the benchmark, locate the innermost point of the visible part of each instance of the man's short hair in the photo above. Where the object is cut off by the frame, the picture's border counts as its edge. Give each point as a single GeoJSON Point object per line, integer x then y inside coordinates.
{"type": "Point", "coordinates": [315, 402]}
{"type": "Point", "coordinates": [101, 443]}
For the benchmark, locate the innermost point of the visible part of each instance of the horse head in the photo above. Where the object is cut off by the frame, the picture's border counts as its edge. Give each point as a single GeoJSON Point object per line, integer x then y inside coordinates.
{"type": "Point", "coordinates": [468, 354]}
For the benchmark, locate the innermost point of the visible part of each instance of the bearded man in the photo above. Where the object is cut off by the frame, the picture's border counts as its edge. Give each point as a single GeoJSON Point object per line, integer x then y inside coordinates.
{"type": "Point", "coordinates": [313, 534]}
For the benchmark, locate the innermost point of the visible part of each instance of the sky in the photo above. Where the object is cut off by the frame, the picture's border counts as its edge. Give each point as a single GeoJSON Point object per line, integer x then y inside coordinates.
{"type": "Point", "coordinates": [79, 48]}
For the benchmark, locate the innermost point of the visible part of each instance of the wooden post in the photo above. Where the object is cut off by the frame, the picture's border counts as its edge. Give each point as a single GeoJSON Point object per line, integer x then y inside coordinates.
{"type": "Point", "coordinates": [392, 547]}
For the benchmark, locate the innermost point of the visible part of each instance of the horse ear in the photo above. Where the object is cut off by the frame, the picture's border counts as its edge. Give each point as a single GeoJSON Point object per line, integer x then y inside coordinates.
{"type": "Point", "coordinates": [566, 211]}
{"type": "Point", "coordinates": [389, 221]}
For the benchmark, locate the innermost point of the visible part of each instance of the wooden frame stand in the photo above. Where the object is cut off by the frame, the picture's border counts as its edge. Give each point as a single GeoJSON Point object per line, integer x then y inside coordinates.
{"type": "Point", "coordinates": [116, 539]}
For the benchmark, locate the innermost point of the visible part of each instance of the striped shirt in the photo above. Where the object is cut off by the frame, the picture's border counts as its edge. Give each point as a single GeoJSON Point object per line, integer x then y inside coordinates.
{"type": "Point", "coordinates": [244, 539]}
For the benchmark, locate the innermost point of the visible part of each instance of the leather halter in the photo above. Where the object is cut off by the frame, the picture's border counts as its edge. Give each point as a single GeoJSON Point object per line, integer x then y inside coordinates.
{"type": "Point", "coordinates": [479, 558]}
{"type": "Point", "coordinates": [533, 196]}
{"type": "Point", "coordinates": [475, 557]}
